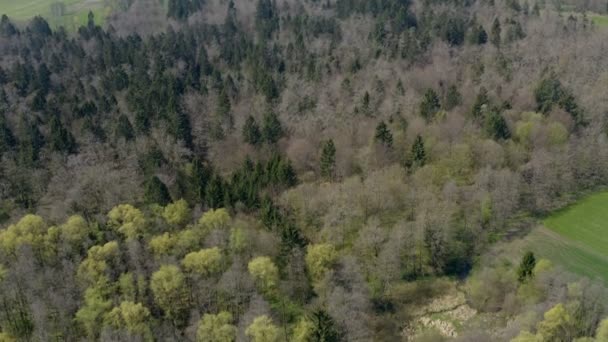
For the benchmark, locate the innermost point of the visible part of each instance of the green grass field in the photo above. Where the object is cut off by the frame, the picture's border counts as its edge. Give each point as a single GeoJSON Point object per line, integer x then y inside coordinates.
{"type": "Point", "coordinates": [600, 20]}
{"type": "Point", "coordinates": [75, 15]}
{"type": "Point", "coordinates": [576, 237]}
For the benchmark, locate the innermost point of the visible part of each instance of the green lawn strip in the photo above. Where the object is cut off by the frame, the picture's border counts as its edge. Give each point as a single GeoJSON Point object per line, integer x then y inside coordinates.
{"type": "Point", "coordinates": [585, 222]}
{"type": "Point", "coordinates": [572, 255]}
{"type": "Point", "coordinates": [76, 13]}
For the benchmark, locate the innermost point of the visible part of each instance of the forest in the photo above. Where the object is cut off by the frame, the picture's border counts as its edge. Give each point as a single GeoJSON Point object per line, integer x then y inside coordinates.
{"type": "Point", "coordinates": [302, 170]}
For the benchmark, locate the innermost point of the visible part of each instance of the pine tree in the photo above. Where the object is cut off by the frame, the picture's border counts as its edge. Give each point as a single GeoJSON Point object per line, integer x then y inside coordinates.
{"type": "Point", "coordinates": [383, 135]}
{"type": "Point", "coordinates": [328, 160]}
{"type": "Point", "coordinates": [156, 192]}
{"type": "Point", "coordinates": [324, 327]}
{"type": "Point", "coordinates": [61, 139]}
{"type": "Point", "coordinates": [526, 267]}
{"type": "Point", "coordinates": [251, 132]}
{"type": "Point", "coordinates": [180, 127]}
{"type": "Point", "coordinates": [7, 139]}
{"type": "Point", "coordinates": [272, 130]}
{"type": "Point", "coordinates": [200, 177]}
{"type": "Point", "coordinates": [453, 98]}
{"type": "Point", "coordinates": [223, 106]}
{"type": "Point", "coordinates": [481, 100]}
{"type": "Point", "coordinates": [215, 193]}
{"type": "Point", "coordinates": [124, 128]}
{"type": "Point", "coordinates": [495, 34]}
{"type": "Point", "coordinates": [496, 125]}
{"type": "Point", "coordinates": [429, 105]}
{"type": "Point", "coordinates": [418, 157]}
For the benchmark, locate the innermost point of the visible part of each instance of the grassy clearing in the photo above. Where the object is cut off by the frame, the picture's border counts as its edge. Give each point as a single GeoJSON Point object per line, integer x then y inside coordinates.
{"type": "Point", "coordinates": [576, 237]}
{"type": "Point", "coordinates": [74, 15]}
{"type": "Point", "coordinates": [600, 20]}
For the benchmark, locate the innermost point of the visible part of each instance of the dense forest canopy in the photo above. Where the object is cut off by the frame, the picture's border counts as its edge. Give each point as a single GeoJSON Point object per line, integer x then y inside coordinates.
{"type": "Point", "coordinates": [299, 170]}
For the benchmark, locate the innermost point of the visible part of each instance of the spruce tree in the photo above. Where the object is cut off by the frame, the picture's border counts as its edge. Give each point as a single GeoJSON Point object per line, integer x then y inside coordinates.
{"type": "Point", "coordinates": [156, 192]}
{"type": "Point", "coordinates": [526, 267]}
{"type": "Point", "coordinates": [272, 130]}
{"type": "Point", "coordinates": [496, 125]}
{"type": "Point", "coordinates": [418, 157]}
{"type": "Point", "coordinates": [481, 100]}
{"type": "Point", "coordinates": [429, 105]}
{"type": "Point", "coordinates": [124, 128]}
{"type": "Point", "coordinates": [251, 132]}
{"type": "Point", "coordinates": [328, 160]}
{"type": "Point", "coordinates": [383, 135]}
{"type": "Point", "coordinates": [180, 126]}
{"type": "Point", "coordinates": [61, 139]}
{"type": "Point", "coordinates": [453, 98]}
{"type": "Point", "coordinates": [200, 177]}
{"type": "Point", "coordinates": [215, 192]}
{"type": "Point", "coordinates": [7, 139]}
{"type": "Point", "coordinates": [324, 327]}
{"type": "Point", "coordinates": [495, 34]}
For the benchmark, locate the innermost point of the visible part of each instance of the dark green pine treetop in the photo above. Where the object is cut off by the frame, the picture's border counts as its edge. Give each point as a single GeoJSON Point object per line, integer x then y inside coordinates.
{"type": "Point", "coordinates": [180, 127]}
{"type": "Point", "coordinates": [215, 193]}
{"type": "Point", "coordinates": [453, 98]}
{"type": "Point", "coordinates": [272, 130]}
{"type": "Point", "coordinates": [429, 105]}
{"type": "Point", "coordinates": [418, 157]}
{"type": "Point", "coordinates": [199, 179]}
{"type": "Point", "coordinates": [156, 192]}
{"type": "Point", "coordinates": [124, 129]}
{"type": "Point", "coordinates": [324, 327]}
{"type": "Point", "coordinates": [495, 34]}
{"type": "Point", "coordinates": [496, 125]}
{"type": "Point", "coordinates": [526, 267]}
{"type": "Point", "coordinates": [61, 139]}
{"type": "Point", "coordinates": [383, 135]}
{"type": "Point", "coordinates": [251, 132]}
{"type": "Point", "coordinates": [328, 160]}
{"type": "Point", "coordinates": [7, 139]}
{"type": "Point", "coordinates": [481, 100]}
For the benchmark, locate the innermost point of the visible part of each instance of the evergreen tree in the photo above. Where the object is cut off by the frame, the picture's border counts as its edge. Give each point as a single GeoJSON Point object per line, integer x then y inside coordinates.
{"type": "Point", "coordinates": [266, 19]}
{"type": "Point", "coordinates": [324, 327]}
{"type": "Point", "coordinates": [328, 160]}
{"type": "Point", "coordinates": [526, 267]}
{"type": "Point", "coordinates": [142, 121]}
{"type": "Point", "coordinates": [478, 35]}
{"type": "Point", "coordinates": [536, 9]}
{"type": "Point", "coordinates": [272, 130]}
{"type": "Point", "coordinates": [156, 192]}
{"type": "Point", "coordinates": [43, 81]}
{"type": "Point", "coordinates": [495, 34]}
{"type": "Point", "coordinates": [124, 128]}
{"type": "Point", "coordinates": [482, 100]}
{"type": "Point", "coordinates": [429, 105]}
{"type": "Point", "coordinates": [453, 98]}
{"type": "Point", "coordinates": [496, 125]}
{"type": "Point", "coordinates": [215, 194]}
{"type": "Point", "coordinates": [200, 177]}
{"type": "Point", "coordinates": [7, 139]}
{"type": "Point", "coordinates": [7, 28]}
{"type": "Point", "coordinates": [383, 135]}
{"type": "Point", "coordinates": [418, 157]}
{"type": "Point", "coordinates": [180, 127]}
{"type": "Point", "coordinates": [251, 132]}
{"type": "Point", "coordinates": [30, 142]}
{"type": "Point", "coordinates": [61, 139]}
{"type": "Point", "coordinates": [223, 106]}
{"type": "Point", "coordinates": [39, 101]}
